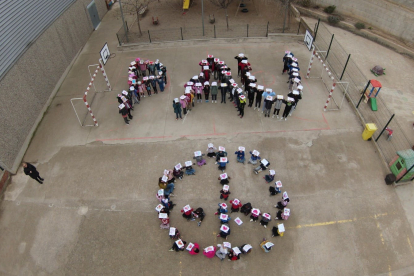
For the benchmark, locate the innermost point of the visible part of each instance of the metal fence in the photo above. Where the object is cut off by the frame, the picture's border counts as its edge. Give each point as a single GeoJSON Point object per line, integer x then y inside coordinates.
{"type": "Point", "coordinates": [133, 36]}
{"type": "Point", "coordinates": [346, 70]}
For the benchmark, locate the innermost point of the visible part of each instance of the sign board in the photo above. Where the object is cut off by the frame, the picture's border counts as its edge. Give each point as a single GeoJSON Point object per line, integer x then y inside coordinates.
{"type": "Point", "coordinates": [308, 40]}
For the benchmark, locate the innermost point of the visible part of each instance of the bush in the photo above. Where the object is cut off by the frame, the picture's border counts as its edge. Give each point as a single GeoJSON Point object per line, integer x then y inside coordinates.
{"type": "Point", "coordinates": [316, 7]}
{"type": "Point", "coordinates": [359, 25]}
{"type": "Point", "coordinates": [329, 9]}
{"type": "Point", "coordinates": [306, 3]}
{"type": "Point", "coordinates": [333, 20]}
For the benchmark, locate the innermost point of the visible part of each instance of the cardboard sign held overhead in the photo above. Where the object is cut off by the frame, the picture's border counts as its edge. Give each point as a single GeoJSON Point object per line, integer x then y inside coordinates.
{"type": "Point", "coordinates": [178, 166]}
{"type": "Point", "coordinates": [188, 163]}
{"type": "Point", "coordinates": [162, 215]}
{"type": "Point", "coordinates": [224, 228]}
{"type": "Point", "coordinates": [286, 212]}
{"type": "Point", "coordinates": [224, 217]}
{"type": "Point", "coordinates": [238, 221]}
{"type": "Point", "coordinates": [190, 246]}
{"type": "Point", "coordinates": [172, 231]}
{"type": "Point", "coordinates": [278, 184]}
{"type": "Point", "coordinates": [223, 176]}
{"type": "Point", "coordinates": [159, 207]}
{"type": "Point", "coordinates": [197, 153]}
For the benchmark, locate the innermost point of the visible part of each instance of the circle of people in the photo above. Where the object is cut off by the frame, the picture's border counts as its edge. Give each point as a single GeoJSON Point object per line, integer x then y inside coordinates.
{"type": "Point", "coordinates": [139, 82]}
{"type": "Point", "coordinates": [166, 205]}
{"type": "Point", "coordinates": [256, 94]}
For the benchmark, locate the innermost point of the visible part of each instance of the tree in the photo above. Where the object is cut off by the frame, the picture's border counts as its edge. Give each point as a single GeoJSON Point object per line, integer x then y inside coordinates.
{"type": "Point", "coordinates": [223, 4]}
{"type": "Point", "coordinates": [137, 7]}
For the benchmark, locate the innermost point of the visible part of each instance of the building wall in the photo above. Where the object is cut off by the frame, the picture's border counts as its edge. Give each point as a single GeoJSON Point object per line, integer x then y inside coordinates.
{"type": "Point", "coordinates": [27, 87]}
{"type": "Point", "coordinates": [395, 17]}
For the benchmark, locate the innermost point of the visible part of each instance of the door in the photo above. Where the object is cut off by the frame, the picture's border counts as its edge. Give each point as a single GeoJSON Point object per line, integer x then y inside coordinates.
{"type": "Point", "coordinates": [93, 13]}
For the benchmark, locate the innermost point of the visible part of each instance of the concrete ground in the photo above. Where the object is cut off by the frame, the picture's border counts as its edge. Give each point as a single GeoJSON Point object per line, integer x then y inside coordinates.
{"type": "Point", "coordinates": [94, 215]}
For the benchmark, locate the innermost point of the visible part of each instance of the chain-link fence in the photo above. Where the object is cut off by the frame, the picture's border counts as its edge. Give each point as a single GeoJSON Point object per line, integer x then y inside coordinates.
{"type": "Point", "coordinates": [210, 31]}
{"type": "Point", "coordinates": [349, 76]}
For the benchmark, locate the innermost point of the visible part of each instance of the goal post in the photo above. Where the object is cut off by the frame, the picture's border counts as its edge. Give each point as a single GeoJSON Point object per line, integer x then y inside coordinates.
{"type": "Point", "coordinates": [98, 67]}
{"type": "Point", "coordinates": [328, 79]}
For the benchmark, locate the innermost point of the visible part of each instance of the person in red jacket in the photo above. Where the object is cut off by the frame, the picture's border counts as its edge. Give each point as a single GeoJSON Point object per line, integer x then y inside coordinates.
{"type": "Point", "coordinates": [187, 212]}
{"type": "Point", "coordinates": [224, 193]}
{"type": "Point", "coordinates": [195, 249]}
{"type": "Point", "coordinates": [235, 205]}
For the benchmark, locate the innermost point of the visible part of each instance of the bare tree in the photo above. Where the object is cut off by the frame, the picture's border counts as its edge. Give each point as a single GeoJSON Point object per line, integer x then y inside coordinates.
{"type": "Point", "coordinates": [137, 7]}
{"type": "Point", "coordinates": [223, 4]}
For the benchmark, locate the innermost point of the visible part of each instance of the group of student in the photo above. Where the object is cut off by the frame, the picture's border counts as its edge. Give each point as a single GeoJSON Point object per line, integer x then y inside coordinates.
{"type": "Point", "coordinates": [143, 78]}
{"type": "Point", "coordinates": [200, 85]}
{"type": "Point", "coordinates": [223, 250]}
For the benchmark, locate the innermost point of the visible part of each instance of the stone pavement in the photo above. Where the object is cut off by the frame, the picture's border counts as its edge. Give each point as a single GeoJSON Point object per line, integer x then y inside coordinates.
{"type": "Point", "coordinates": [94, 215]}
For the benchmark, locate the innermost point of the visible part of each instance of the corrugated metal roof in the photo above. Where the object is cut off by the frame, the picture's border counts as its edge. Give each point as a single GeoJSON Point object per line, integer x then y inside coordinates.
{"type": "Point", "coordinates": [21, 23]}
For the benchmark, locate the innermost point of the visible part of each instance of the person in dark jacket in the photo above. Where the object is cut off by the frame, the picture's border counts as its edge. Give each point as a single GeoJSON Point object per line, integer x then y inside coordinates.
{"type": "Point", "coordinates": [223, 90]}
{"type": "Point", "coordinates": [177, 108]}
{"type": "Point", "coordinates": [123, 110]}
{"type": "Point", "coordinates": [259, 93]}
{"type": "Point", "coordinates": [288, 106]}
{"type": "Point", "coordinates": [31, 171]}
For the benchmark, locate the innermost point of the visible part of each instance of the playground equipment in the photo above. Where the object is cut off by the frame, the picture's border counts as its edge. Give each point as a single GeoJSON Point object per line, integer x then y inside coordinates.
{"type": "Point", "coordinates": [378, 70]}
{"type": "Point", "coordinates": [371, 95]}
{"type": "Point", "coordinates": [402, 165]}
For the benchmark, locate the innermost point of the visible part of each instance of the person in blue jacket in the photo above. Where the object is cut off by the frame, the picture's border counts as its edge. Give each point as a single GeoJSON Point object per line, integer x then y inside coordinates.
{"type": "Point", "coordinates": [240, 155]}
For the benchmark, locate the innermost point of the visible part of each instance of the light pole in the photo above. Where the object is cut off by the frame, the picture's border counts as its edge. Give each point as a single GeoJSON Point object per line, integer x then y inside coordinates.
{"type": "Point", "coordinates": [123, 21]}
{"type": "Point", "coordinates": [202, 14]}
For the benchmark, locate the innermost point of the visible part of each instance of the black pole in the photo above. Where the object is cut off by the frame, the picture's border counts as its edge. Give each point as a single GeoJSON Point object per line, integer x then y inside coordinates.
{"type": "Point", "coordinates": [247, 30]}
{"type": "Point", "coordinates": [316, 31]}
{"type": "Point", "coordinates": [267, 30]}
{"type": "Point", "coordinates": [346, 64]}
{"type": "Point", "coordinates": [149, 36]}
{"type": "Point", "coordinates": [126, 24]}
{"type": "Point", "coordinates": [329, 48]}
{"type": "Point", "coordinates": [119, 41]}
{"type": "Point", "coordinates": [382, 131]}
{"type": "Point", "coordinates": [299, 26]}
{"type": "Point", "coordinates": [363, 93]}
{"type": "Point", "coordinates": [182, 38]}
{"type": "Point", "coordinates": [405, 174]}
{"type": "Point", "coordinates": [214, 31]}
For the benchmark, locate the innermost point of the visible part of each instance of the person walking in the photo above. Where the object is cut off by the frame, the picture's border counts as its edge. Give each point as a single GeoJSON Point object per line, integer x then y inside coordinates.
{"type": "Point", "coordinates": [31, 171]}
{"type": "Point", "coordinates": [177, 108]}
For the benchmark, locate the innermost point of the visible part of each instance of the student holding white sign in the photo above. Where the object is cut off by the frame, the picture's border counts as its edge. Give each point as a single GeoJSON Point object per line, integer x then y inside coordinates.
{"type": "Point", "coordinates": [209, 252]}
{"type": "Point", "coordinates": [234, 254]}
{"type": "Point", "coordinates": [283, 215]}
{"type": "Point", "coordinates": [224, 179]}
{"type": "Point", "coordinates": [221, 153]}
{"type": "Point", "coordinates": [240, 155]}
{"type": "Point", "coordinates": [188, 168]}
{"type": "Point", "coordinates": [255, 155]}
{"type": "Point", "coordinates": [265, 219]}
{"type": "Point", "coordinates": [278, 105]}
{"type": "Point", "coordinates": [235, 205]}
{"type": "Point", "coordinates": [284, 202]}
{"type": "Point", "coordinates": [178, 172]}
{"type": "Point", "coordinates": [246, 248]}
{"type": "Point", "coordinates": [270, 177]}
{"type": "Point", "coordinates": [167, 187]}
{"type": "Point", "coordinates": [198, 156]}
{"type": "Point", "coordinates": [222, 251]}
{"type": "Point", "coordinates": [266, 246]}
{"type": "Point", "coordinates": [224, 231]}
{"type": "Point", "coordinates": [278, 230]}
{"type": "Point", "coordinates": [222, 163]}
{"type": "Point", "coordinates": [211, 150]}
{"type": "Point", "coordinates": [288, 106]}
{"type": "Point", "coordinates": [263, 166]}
{"type": "Point", "coordinates": [193, 249]}
{"type": "Point", "coordinates": [276, 189]}
{"type": "Point", "coordinates": [224, 193]}
{"type": "Point", "coordinates": [178, 245]}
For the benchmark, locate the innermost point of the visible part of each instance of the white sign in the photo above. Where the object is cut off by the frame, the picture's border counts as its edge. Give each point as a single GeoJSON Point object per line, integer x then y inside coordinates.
{"type": "Point", "coordinates": [236, 250]}
{"type": "Point", "coordinates": [159, 207]}
{"type": "Point", "coordinates": [224, 217]}
{"type": "Point", "coordinates": [190, 246]}
{"type": "Point", "coordinates": [222, 148]}
{"type": "Point", "coordinates": [160, 192]}
{"type": "Point", "coordinates": [197, 153]}
{"type": "Point", "coordinates": [272, 172]}
{"type": "Point", "coordinates": [227, 244]}
{"type": "Point", "coordinates": [286, 212]}
{"type": "Point", "coordinates": [255, 152]}
{"type": "Point", "coordinates": [281, 228]}
{"type": "Point", "coordinates": [223, 159]}
{"type": "Point", "coordinates": [224, 228]}
{"type": "Point", "coordinates": [172, 231]}
{"type": "Point", "coordinates": [105, 54]}
{"type": "Point", "coordinates": [308, 40]}
{"type": "Point", "coordinates": [238, 221]}
{"type": "Point", "coordinates": [278, 184]}
{"type": "Point", "coordinates": [223, 176]}
{"type": "Point", "coordinates": [242, 148]}
{"type": "Point", "coordinates": [285, 195]}
{"type": "Point", "coordinates": [226, 187]}
{"type": "Point", "coordinates": [188, 163]}
{"type": "Point", "coordinates": [162, 215]}
{"type": "Point", "coordinates": [180, 243]}
{"type": "Point", "coordinates": [178, 166]}
{"type": "Point", "coordinates": [256, 211]}
{"type": "Point", "coordinates": [187, 208]}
